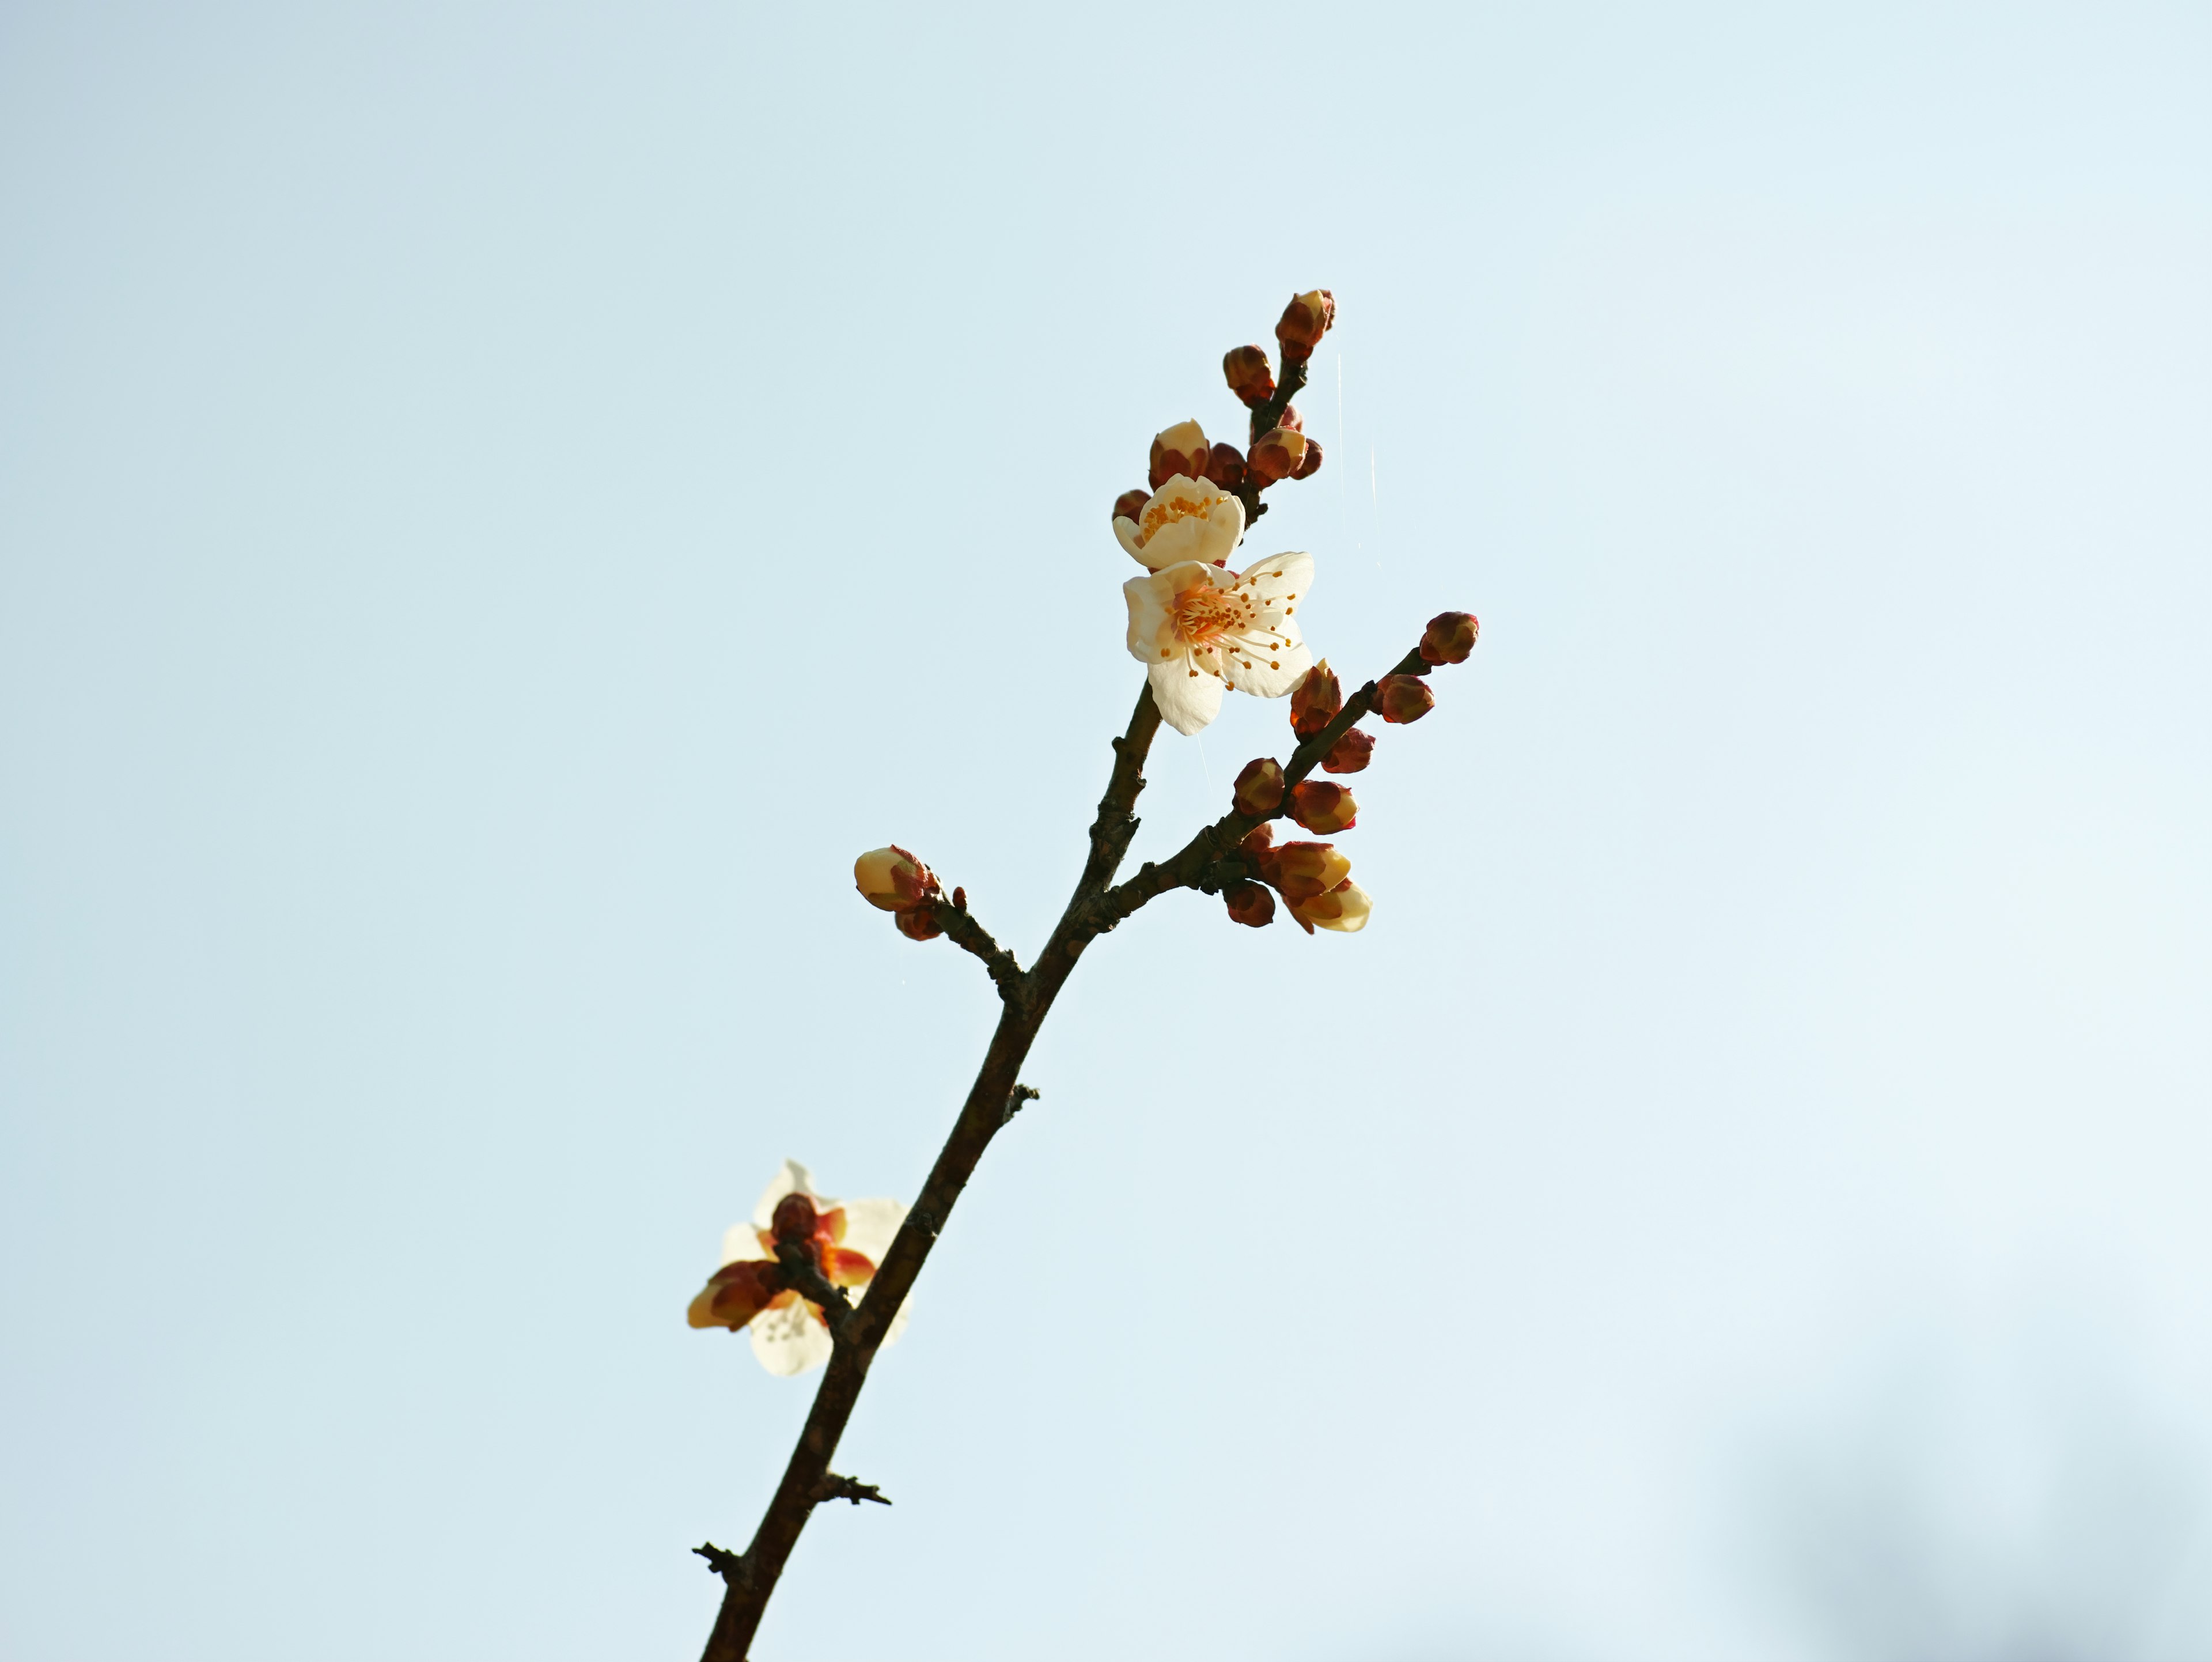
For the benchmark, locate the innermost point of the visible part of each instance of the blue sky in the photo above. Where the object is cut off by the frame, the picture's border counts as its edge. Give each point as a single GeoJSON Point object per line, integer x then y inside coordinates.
{"type": "Point", "coordinates": [498, 504]}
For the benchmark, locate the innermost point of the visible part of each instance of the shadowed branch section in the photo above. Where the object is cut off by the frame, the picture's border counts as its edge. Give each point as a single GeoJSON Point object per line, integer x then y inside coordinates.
{"type": "Point", "coordinates": [961, 928]}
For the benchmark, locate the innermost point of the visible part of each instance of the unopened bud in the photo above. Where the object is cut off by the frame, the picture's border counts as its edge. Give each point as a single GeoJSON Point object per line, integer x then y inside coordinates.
{"type": "Point", "coordinates": [1256, 843]}
{"type": "Point", "coordinates": [1350, 753]}
{"type": "Point", "coordinates": [794, 1219]}
{"type": "Point", "coordinates": [736, 1292]}
{"type": "Point", "coordinates": [1180, 449]}
{"type": "Point", "coordinates": [1304, 322]}
{"type": "Point", "coordinates": [1343, 909]}
{"type": "Point", "coordinates": [1259, 787]}
{"type": "Point", "coordinates": [1131, 503]}
{"type": "Point", "coordinates": [1299, 871]}
{"type": "Point", "coordinates": [1449, 637]}
{"type": "Point", "coordinates": [1400, 698]}
{"type": "Point", "coordinates": [1322, 809]}
{"type": "Point", "coordinates": [919, 923]}
{"type": "Point", "coordinates": [1277, 455]}
{"type": "Point", "coordinates": [892, 879]}
{"type": "Point", "coordinates": [1315, 701]}
{"type": "Point", "coordinates": [1249, 905]}
{"type": "Point", "coordinates": [1310, 464]}
{"type": "Point", "coordinates": [1291, 419]}
{"type": "Point", "coordinates": [1249, 375]}
{"type": "Point", "coordinates": [1225, 466]}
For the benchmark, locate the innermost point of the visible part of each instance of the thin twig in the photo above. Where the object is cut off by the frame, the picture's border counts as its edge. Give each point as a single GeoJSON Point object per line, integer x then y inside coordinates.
{"type": "Point", "coordinates": [1018, 1095]}
{"type": "Point", "coordinates": [961, 928]}
{"type": "Point", "coordinates": [834, 1488]}
{"type": "Point", "coordinates": [1266, 415]}
{"type": "Point", "coordinates": [802, 1273]}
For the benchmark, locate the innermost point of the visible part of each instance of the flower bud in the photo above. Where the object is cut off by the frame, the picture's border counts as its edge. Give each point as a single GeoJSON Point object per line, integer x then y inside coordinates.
{"type": "Point", "coordinates": [1256, 843]}
{"type": "Point", "coordinates": [1343, 909]}
{"type": "Point", "coordinates": [1304, 322]}
{"type": "Point", "coordinates": [1259, 787]}
{"type": "Point", "coordinates": [919, 923]}
{"type": "Point", "coordinates": [1310, 464]}
{"type": "Point", "coordinates": [736, 1292]}
{"type": "Point", "coordinates": [1130, 504]}
{"type": "Point", "coordinates": [794, 1218]}
{"type": "Point", "coordinates": [1249, 375]}
{"type": "Point", "coordinates": [1315, 701]}
{"type": "Point", "coordinates": [1449, 637]}
{"type": "Point", "coordinates": [1350, 753]}
{"type": "Point", "coordinates": [1249, 905]}
{"type": "Point", "coordinates": [1180, 449]}
{"type": "Point", "coordinates": [1299, 871]}
{"type": "Point", "coordinates": [1400, 699]}
{"type": "Point", "coordinates": [1322, 809]}
{"type": "Point", "coordinates": [892, 879]}
{"type": "Point", "coordinates": [1291, 419]}
{"type": "Point", "coordinates": [1225, 466]}
{"type": "Point", "coordinates": [1277, 455]}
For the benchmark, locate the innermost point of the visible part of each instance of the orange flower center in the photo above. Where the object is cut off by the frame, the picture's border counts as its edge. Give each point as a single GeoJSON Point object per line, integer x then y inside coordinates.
{"type": "Point", "coordinates": [1163, 511]}
{"type": "Point", "coordinates": [1205, 614]}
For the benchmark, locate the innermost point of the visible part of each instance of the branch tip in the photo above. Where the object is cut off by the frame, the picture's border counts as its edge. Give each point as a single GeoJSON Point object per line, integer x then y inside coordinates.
{"type": "Point", "coordinates": [832, 1486]}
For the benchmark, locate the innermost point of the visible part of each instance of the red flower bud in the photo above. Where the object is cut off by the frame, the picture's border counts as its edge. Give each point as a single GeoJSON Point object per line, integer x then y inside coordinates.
{"type": "Point", "coordinates": [1251, 376]}
{"type": "Point", "coordinates": [737, 1292]}
{"type": "Point", "coordinates": [1277, 455]}
{"type": "Point", "coordinates": [1225, 466]}
{"type": "Point", "coordinates": [1403, 699]}
{"type": "Point", "coordinates": [1299, 871]}
{"type": "Point", "coordinates": [1304, 322]}
{"type": "Point", "coordinates": [794, 1219]}
{"type": "Point", "coordinates": [1256, 843]}
{"type": "Point", "coordinates": [1449, 637]}
{"type": "Point", "coordinates": [1259, 787]}
{"type": "Point", "coordinates": [1310, 464]}
{"type": "Point", "coordinates": [893, 878]}
{"type": "Point", "coordinates": [1131, 503]}
{"type": "Point", "coordinates": [1324, 808]}
{"type": "Point", "coordinates": [1179, 449]}
{"type": "Point", "coordinates": [1350, 753]}
{"type": "Point", "coordinates": [1290, 419]}
{"type": "Point", "coordinates": [1249, 905]}
{"type": "Point", "coordinates": [918, 924]}
{"type": "Point", "coordinates": [1315, 701]}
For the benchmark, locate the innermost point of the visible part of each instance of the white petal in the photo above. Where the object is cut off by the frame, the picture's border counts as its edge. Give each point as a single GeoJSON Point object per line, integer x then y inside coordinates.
{"type": "Point", "coordinates": [740, 1242]}
{"type": "Point", "coordinates": [1187, 702]}
{"type": "Point", "coordinates": [789, 1341]}
{"type": "Point", "coordinates": [793, 1179]}
{"type": "Point", "coordinates": [1152, 616]}
{"type": "Point", "coordinates": [1273, 671]}
{"type": "Point", "coordinates": [1124, 533]}
{"type": "Point", "coordinates": [869, 1227]}
{"type": "Point", "coordinates": [1279, 574]}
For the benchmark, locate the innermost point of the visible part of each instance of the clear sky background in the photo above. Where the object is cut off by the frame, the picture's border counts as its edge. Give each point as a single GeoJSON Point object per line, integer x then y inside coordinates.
{"type": "Point", "coordinates": [499, 502]}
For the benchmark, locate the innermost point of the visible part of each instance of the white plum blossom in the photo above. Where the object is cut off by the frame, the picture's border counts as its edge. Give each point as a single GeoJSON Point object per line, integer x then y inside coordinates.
{"type": "Point", "coordinates": [790, 1335]}
{"type": "Point", "coordinates": [1186, 519]}
{"type": "Point", "coordinates": [1198, 628]}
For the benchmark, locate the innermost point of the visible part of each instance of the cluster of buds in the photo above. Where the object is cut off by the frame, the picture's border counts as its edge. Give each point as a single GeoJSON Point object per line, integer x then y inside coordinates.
{"type": "Point", "coordinates": [1314, 879]}
{"type": "Point", "coordinates": [896, 882]}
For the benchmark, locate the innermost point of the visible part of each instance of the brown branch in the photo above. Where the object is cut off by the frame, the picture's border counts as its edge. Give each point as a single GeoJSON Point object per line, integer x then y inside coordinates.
{"type": "Point", "coordinates": [834, 1488]}
{"type": "Point", "coordinates": [1266, 415]}
{"type": "Point", "coordinates": [1191, 865]}
{"type": "Point", "coordinates": [802, 1273]}
{"type": "Point", "coordinates": [751, 1578]}
{"type": "Point", "coordinates": [961, 928]}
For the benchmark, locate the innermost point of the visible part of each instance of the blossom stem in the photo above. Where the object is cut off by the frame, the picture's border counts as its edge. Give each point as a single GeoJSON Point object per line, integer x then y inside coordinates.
{"type": "Point", "coordinates": [1266, 415]}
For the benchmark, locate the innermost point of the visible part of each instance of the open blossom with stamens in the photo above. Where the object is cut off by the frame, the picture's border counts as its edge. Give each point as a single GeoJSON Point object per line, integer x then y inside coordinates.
{"type": "Point", "coordinates": [1199, 630]}
{"type": "Point", "coordinates": [1185, 519]}
{"type": "Point", "coordinates": [849, 1237]}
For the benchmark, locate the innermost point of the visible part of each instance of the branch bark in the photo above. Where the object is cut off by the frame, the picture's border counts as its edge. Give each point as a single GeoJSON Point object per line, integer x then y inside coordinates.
{"type": "Point", "coordinates": [749, 1578]}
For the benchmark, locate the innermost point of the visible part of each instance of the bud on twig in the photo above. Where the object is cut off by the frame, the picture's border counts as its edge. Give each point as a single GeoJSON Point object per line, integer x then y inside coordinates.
{"type": "Point", "coordinates": [892, 879]}
{"type": "Point", "coordinates": [1179, 449]}
{"type": "Point", "coordinates": [1304, 322]}
{"type": "Point", "coordinates": [1343, 909]}
{"type": "Point", "coordinates": [1225, 466]}
{"type": "Point", "coordinates": [1299, 871]}
{"type": "Point", "coordinates": [1449, 637]}
{"type": "Point", "coordinates": [1277, 455]}
{"type": "Point", "coordinates": [918, 924]}
{"type": "Point", "coordinates": [1324, 808]}
{"type": "Point", "coordinates": [794, 1219]}
{"type": "Point", "coordinates": [1256, 843]}
{"type": "Point", "coordinates": [1350, 753]}
{"type": "Point", "coordinates": [1310, 464]}
{"type": "Point", "coordinates": [1249, 905]}
{"type": "Point", "coordinates": [1315, 701]}
{"type": "Point", "coordinates": [1400, 698]}
{"type": "Point", "coordinates": [1258, 789]}
{"type": "Point", "coordinates": [1131, 503]}
{"type": "Point", "coordinates": [1249, 375]}
{"type": "Point", "coordinates": [1291, 419]}
{"type": "Point", "coordinates": [736, 1292]}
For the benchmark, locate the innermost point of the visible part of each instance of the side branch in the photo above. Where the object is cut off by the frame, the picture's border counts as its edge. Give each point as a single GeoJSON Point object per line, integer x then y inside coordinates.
{"type": "Point", "coordinates": [961, 928]}
{"type": "Point", "coordinates": [1266, 415]}
{"type": "Point", "coordinates": [1190, 865]}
